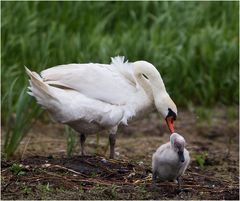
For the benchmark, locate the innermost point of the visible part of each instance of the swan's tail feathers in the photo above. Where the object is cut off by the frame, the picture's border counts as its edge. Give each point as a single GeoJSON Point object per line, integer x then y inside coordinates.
{"type": "Point", "coordinates": [40, 90]}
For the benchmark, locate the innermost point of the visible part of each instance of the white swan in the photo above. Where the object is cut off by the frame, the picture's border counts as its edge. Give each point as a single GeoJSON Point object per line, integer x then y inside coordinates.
{"type": "Point", "coordinates": [93, 97]}
{"type": "Point", "coordinates": [170, 160]}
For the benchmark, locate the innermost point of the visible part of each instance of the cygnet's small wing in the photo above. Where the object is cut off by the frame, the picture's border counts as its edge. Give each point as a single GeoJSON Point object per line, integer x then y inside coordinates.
{"type": "Point", "coordinates": [161, 157]}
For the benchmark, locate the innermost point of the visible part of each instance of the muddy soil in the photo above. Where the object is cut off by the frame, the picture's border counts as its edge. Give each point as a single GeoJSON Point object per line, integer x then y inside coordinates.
{"type": "Point", "coordinates": [41, 169]}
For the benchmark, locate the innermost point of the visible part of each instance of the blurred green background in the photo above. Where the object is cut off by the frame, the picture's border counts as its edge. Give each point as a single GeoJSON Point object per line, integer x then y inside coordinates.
{"type": "Point", "coordinates": [194, 45]}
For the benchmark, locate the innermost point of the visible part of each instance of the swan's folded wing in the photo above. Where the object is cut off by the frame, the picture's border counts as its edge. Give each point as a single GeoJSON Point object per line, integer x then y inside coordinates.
{"type": "Point", "coordinates": [73, 106]}
{"type": "Point", "coordinates": [98, 81]}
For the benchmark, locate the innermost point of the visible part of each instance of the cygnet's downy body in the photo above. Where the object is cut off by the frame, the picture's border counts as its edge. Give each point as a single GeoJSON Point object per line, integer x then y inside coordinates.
{"type": "Point", "coordinates": [170, 160]}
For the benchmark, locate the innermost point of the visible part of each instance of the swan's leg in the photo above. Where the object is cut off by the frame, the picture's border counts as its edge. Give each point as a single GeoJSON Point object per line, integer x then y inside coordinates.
{"type": "Point", "coordinates": [82, 141]}
{"type": "Point", "coordinates": [112, 141]}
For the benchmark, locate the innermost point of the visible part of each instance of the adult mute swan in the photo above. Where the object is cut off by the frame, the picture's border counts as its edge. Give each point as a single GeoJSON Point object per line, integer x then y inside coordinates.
{"type": "Point", "coordinates": [170, 160]}
{"type": "Point", "coordinates": [93, 97]}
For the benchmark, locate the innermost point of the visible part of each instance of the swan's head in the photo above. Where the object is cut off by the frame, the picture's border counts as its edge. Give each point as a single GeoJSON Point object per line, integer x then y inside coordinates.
{"type": "Point", "coordinates": [178, 144]}
{"type": "Point", "coordinates": [168, 109]}
{"type": "Point", "coordinates": [163, 102]}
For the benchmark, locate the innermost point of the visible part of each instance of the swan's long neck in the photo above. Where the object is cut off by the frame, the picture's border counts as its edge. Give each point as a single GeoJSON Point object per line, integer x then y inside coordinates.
{"type": "Point", "coordinates": [155, 80]}
{"type": "Point", "coordinates": [162, 100]}
{"type": "Point", "coordinates": [144, 83]}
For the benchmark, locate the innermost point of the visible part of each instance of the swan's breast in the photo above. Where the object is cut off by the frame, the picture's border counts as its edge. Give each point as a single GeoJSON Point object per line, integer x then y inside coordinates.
{"type": "Point", "coordinates": [140, 104]}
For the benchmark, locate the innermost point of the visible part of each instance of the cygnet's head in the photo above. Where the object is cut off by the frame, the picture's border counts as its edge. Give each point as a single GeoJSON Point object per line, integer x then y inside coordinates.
{"type": "Point", "coordinates": [178, 144]}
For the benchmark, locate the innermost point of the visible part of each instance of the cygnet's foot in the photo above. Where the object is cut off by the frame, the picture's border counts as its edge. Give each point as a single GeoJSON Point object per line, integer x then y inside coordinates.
{"type": "Point", "coordinates": [154, 187]}
{"type": "Point", "coordinates": [179, 190]}
{"type": "Point", "coordinates": [182, 190]}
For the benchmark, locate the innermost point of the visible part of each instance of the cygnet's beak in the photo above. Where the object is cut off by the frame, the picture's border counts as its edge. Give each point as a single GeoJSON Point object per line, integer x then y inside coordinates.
{"type": "Point", "coordinates": [181, 156]}
{"type": "Point", "coordinates": [170, 121]}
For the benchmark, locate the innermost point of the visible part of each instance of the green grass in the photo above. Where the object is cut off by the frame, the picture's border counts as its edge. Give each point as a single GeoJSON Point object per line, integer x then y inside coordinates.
{"type": "Point", "coordinates": [71, 140]}
{"type": "Point", "coordinates": [200, 158]}
{"type": "Point", "coordinates": [17, 169]}
{"type": "Point", "coordinates": [18, 117]}
{"type": "Point", "coordinates": [193, 44]}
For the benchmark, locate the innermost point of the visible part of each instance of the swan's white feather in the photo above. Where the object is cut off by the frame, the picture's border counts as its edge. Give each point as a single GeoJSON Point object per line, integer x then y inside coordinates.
{"type": "Point", "coordinates": [90, 97]}
{"type": "Point", "coordinates": [124, 68]}
{"type": "Point", "coordinates": [109, 83]}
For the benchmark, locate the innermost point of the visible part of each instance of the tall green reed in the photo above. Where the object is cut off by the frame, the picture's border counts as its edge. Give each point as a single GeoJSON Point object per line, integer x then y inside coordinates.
{"type": "Point", "coordinates": [71, 140]}
{"type": "Point", "coordinates": [18, 119]}
{"type": "Point", "coordinates": [193, 44]}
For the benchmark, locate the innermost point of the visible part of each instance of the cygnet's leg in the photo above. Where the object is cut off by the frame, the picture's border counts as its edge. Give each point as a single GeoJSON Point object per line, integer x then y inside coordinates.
{"type": "Point", "coordinates": [82, 141]}
{"type": "Point", "coordinates": [154, 178]}
{"type": "Point", "coordinates": [179, 183]}
{"type": "Point", "coordinates": [112, 140]}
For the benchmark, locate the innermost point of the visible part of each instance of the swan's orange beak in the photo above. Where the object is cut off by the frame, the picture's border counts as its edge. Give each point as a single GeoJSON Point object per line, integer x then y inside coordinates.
{"type": "Point", "coordinates": [170, 121]}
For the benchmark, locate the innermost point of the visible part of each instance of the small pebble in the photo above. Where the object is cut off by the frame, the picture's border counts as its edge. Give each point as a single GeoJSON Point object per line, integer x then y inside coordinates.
{"type": "Point", "coordinates": [140, 163]}
{"type": "Point", "coordinates": [46, 165]}
{"type": "Point", "coordinates": [131, 174]}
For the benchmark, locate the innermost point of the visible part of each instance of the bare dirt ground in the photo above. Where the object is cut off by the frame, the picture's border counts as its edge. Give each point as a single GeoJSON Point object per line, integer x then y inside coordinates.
{"type": "Point", "coordinates": [41, 169]}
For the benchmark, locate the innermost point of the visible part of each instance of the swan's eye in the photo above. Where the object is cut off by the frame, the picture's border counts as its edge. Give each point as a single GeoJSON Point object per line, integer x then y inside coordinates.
{"type": "Point", "coordinates": [145, 76]}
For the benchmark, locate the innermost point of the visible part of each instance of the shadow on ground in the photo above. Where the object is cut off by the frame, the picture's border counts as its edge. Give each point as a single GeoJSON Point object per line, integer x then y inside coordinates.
{"type": "Point", "coordinates": [94, 177]}
{"type": "Point", "coordinates": [44, 171]}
